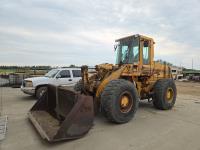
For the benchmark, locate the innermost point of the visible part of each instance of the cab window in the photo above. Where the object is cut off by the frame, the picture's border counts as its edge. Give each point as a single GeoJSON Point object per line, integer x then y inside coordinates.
{"type": "Point", "coordinates": [145, 52]}
{"type": "Point", "coordinates": [136, 54]}
{"type": "Point", "coordinates": [64, 74]}
{"type": "Point", "coordinates": [76, 73]}
{"type": "Point", "coordinates": [125, 53]}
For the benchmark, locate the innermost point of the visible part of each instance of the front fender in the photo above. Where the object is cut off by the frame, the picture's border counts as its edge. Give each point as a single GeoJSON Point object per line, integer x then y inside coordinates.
{"type": "Point", "coordinates": [114, 75]}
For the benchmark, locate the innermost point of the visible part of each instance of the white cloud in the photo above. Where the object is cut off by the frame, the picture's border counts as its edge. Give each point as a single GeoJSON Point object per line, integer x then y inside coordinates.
{"type": "Point", "coordinates": [83, 32]}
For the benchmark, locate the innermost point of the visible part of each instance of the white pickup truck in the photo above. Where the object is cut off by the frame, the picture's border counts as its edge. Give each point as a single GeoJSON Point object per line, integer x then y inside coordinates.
{"type": "Point", "coordinates": [61, 76]}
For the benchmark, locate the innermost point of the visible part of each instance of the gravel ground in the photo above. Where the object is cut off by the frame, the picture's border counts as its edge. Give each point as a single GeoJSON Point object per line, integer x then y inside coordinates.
{"type": "Point", "coordinates": [176, 129]}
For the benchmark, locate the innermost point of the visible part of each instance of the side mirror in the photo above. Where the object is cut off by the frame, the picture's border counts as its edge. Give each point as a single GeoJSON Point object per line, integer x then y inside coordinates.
{"type": "Point", "coordinates": [58, 76]}
{"type": "Point", "coordinates": [146, 44]}
{"type": "Point", "coordinates": [115, 47]}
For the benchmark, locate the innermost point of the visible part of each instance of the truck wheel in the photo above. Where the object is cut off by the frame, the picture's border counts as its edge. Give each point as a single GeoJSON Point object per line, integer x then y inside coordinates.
{"type": "Point", "coordinates": [40, 91]}
{"type": "Point", "coordinates": [164, 94]}
{"type": "Point", "coordinates": [119, 101]}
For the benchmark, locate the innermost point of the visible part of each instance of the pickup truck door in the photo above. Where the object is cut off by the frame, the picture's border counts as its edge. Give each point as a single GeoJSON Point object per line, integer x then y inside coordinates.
{"type": "Point", "coordinates": [64, 77]}
{"type": "Point", "coordinates": [76, 75]}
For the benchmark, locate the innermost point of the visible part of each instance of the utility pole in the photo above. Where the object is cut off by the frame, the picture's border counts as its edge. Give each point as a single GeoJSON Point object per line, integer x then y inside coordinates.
{"type": "Point", "coordinates": [192, 63]}
{"type": "Point", "coordinates": [199, 63]}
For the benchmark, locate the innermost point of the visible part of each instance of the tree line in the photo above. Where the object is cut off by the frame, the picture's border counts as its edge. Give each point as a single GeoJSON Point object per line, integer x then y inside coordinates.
{"type": "Point", "coordinates": [32, 67]}
{"type": "Point", "coordinates": [27, 67]}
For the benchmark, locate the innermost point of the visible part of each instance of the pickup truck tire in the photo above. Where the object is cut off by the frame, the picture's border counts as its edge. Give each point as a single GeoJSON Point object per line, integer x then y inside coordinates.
{"type": "Point", "coordinates": [40, 91]}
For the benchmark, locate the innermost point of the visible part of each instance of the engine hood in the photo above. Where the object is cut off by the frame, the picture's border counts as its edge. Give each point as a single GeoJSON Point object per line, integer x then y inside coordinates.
{"type": "Point", "coordinates": [35, 79]}
{"type": "Point", "coordinates": [38, 80]}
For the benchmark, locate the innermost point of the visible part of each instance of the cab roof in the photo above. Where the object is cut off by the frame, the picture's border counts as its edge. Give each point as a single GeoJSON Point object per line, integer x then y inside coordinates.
{"type": "Point", "coordinates": [134, 36]}
{"type": "Point", "coordinates": [67, 68]}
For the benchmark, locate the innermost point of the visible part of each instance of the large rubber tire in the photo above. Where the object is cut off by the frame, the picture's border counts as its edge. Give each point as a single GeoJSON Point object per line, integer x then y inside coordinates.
{"type": "Point", "coordinates": [160, 90]}
{"type": "Point", "coordinates": [110, 101]}
{"type": "Point", "coordinates": [40, 91]}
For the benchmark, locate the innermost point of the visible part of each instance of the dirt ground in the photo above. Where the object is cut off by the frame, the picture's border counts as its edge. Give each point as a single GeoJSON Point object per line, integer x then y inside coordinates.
{"type": "Point", "coordinates": [176, 129]}
{"type": "Point", "coordinates": [188, 88]}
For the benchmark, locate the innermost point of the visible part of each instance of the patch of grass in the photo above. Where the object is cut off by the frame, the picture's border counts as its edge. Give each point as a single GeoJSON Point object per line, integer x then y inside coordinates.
{"type": "Point", "coordinates": [7, 71]}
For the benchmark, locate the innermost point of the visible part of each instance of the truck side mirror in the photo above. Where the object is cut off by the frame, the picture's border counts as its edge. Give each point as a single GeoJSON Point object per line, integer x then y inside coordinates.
{"type": "Point", "coordinates": [115, 47]}
{"type": "Point", "coordinates": [146, 44]}
{"type": "Point", "coordinates": [58, 76]}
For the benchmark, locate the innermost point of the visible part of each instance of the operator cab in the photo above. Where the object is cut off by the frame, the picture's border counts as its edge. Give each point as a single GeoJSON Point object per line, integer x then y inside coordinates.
{"type": "Point", "coordinates": [135, 49]}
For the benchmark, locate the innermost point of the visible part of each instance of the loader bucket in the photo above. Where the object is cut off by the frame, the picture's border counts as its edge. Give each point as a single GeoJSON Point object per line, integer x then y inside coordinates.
{"type": "Point", "coordinates": [62, 114]}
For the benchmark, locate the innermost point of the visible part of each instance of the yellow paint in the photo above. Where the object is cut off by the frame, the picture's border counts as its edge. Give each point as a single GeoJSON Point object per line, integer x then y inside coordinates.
{"type": "Point", "coordinates": [169, 94]}
{"type": "Point", "coordinates": [143, 76]}
{"type": "Point", "coordinates": [114, 75]}
{"type": "Point", "coordinates": [124, 101]}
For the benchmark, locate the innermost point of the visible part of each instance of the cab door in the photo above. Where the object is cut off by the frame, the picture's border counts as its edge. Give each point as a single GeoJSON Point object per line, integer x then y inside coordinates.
{"type": "Point", "coordinates": [146, 58]}
{"type": "Point", "coordinates": [76, 75]}
{"type": "Point", "coordinates": [64, 77]}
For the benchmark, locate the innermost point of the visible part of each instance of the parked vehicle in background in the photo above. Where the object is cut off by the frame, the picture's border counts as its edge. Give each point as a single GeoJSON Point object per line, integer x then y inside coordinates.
{"type": "Point", "coordinates": [61, 76]}
{"type": "Point", "coordinates": [196, 78]}
{"type": "Point", "coordinates": [177, 72]}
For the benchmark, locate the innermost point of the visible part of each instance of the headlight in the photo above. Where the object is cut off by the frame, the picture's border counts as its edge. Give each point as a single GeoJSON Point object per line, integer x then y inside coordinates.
{"type": "Point", "coordinates": [28, 84]}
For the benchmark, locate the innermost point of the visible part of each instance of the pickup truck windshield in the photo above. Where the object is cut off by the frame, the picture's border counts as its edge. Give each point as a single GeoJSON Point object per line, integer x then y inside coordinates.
{"type": "Point", "coordinates": [51, 73]}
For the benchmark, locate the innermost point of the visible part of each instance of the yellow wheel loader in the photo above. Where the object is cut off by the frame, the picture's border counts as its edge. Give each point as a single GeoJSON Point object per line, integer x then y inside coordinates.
{"type": "Point", "coordinates": [115, 90]}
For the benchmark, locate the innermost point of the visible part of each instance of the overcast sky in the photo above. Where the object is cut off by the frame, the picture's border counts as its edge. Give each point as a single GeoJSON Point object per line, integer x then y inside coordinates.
{"type": "Point", "coordinates": [63, 32]}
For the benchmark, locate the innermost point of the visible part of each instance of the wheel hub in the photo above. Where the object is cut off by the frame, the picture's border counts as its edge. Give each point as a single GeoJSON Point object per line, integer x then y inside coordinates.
{"type": "Point", "coordinates": [125, 103]}
{"type": "Point", "coordinates": [169, 94]}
